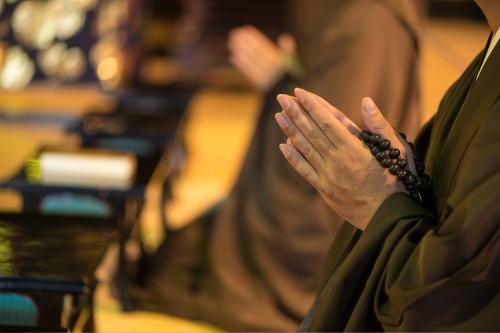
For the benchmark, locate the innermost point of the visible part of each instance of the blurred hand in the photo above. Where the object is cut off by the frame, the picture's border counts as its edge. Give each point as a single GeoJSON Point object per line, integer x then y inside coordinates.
{"type": "Point", "coordinates": [324, 148]}
{"type": "Point", "coordinates": [261, 60]}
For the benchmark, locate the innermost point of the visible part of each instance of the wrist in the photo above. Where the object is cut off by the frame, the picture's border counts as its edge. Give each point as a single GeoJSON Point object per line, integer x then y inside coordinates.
{"type": "Point", "coordinates": [293, 67]}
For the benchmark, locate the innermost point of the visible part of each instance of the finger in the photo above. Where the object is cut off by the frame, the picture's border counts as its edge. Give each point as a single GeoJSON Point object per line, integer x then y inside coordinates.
{"type": "Point", "coordinates": [307, 127]}
{"type": "Point", "coordinates": [376, 123]}
{"type": "Point", "coordinates": [287, 43]}
{"type": "Point", "coordinates": [348, 123]}
{"type": "Point", "coordinates": [299, 163]}
{"type": "Point", "coordinates": [300, 142]}
{"type": "Point", "coordinates": [332, 128]}
{"type": "Point", "coordinates": [250, 45]}
{"type": "Point", "coordinates": [255, 41]}
{"type": "Point", "coordinates": [240, 42]}
{"type": "Point", "coordinates": [258, 37]}
{"type": "Point", "coordinates": [246, 58]}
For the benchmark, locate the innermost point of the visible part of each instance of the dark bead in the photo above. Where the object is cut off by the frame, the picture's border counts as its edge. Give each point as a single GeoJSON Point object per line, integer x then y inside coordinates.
{"type": "Point", "coordinates": [403, 135]}
{"type": "Point", "coordinates": [419, 183]}
{"type": "Point", "coordinates": [365, 136]}
{"type": "Point", "coordinates": [386, 162]}
{"type": "Point", "coordinates": [403, 175]}
{"type": "Point", "coordinates": [394, 169]}
{"type": "Point", "coordinates": [420, 168]}
{"type": "Point", "coordinates": [409, 188]}
{"type": "Point", "coordinates": [375, 150]}
{"type": "Point", "coordinates": [411, 145]}
{"type": "Point", "coordinates": [371, 145]}
{"type": "Point", "coordinates": [402, 163]}
{"type": "Point", "coordinates": [411, 180]}
{"type": "Point", "coordinates": [385, 144]}
{"type": "Point", "coordinates": [375, 139]}
{"type": "Point", "coordinates": [394, 153]}
{"type": "Point", "coordinates": [416, 157]}
{"type": "Point", "coordinates": [380, 156]}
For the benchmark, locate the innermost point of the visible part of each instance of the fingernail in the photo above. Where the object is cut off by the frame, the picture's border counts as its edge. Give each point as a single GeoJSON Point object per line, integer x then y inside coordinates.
{"type": "Point", "coordinates": [281, 119]}
{"type": "Point", "coordinates": [283, 100]}
{"type": "Point", "coordinates": [300, 94]}
{"type": "Point", "coordinates": [284, 149]}
{"type": "Point", "coordinates": [370, 106]}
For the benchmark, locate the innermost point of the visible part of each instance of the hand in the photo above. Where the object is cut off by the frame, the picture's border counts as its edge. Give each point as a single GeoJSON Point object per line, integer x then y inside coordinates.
{"type": "Point", "coordinates": [258, 58]}
{"type": "Point", "coordinates": [323, 147]}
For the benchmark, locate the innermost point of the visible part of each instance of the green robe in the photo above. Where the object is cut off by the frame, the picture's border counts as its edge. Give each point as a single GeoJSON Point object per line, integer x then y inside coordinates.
{"type": "Point", "coordinates": [410, 270]}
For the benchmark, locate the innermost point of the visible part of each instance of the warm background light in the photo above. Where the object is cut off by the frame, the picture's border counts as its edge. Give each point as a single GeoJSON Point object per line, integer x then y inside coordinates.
{"type": "Point", "coordinates": [62, 41]}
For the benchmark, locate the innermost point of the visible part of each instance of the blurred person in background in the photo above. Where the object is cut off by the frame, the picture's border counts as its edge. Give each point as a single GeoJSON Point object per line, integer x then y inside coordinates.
{"type": "Point", "coordinates": [252, 263]}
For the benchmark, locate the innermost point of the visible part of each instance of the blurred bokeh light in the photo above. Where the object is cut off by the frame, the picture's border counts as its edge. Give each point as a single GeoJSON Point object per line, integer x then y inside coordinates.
{"type": "Point", "coordinates": [62, 41]}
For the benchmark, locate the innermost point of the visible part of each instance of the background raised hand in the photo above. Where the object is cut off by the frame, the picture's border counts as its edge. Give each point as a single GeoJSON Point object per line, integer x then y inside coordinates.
{"type": "Point", "coordinates": [261, 60]}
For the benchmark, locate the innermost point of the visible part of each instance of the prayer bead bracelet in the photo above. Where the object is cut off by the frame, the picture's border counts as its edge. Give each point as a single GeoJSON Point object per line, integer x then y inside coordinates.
{"type": "Point", "coordinates": [418, 186]}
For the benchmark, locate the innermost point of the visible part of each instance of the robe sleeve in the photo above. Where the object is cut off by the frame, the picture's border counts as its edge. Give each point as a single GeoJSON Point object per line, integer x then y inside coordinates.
{"type": "Point", "coordinates": [448, 278]}
{"type": "Point", "coordinates": [356, 264]}
{"type": "Point", "coordinates": [409, 271]}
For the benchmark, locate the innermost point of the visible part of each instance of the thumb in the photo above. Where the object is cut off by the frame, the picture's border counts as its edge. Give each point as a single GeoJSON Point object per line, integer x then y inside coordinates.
{"type": "Point", "coordinates": [287, 43]}
{"type": "Point", "coordinates": [376, 123]}
{"type": "Point", "coordinates": [374, 120]}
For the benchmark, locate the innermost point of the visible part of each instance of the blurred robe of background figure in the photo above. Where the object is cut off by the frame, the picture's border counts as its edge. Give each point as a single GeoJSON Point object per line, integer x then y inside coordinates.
{"type": "Point", "coordinates": [252, 263]}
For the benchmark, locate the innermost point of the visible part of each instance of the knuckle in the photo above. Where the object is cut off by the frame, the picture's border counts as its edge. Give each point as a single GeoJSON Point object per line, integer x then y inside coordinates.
{"type": "Point", "coordinates": [307, 152]}
{"type": "Point", "coordinates": [325, 127]}
{"type": "Point", "coordinates": [379, 124]}
{"type": "Point", "coordinates": [308, 176]}
{"type": "Point", "coordinates": [313, 135]}
{"type": "Point", "coordinates": [295, 115]}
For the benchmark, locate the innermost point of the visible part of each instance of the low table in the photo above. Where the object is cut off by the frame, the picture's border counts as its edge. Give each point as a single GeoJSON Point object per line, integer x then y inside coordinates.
{"type": "Point", "coordinates": [126, 206]}
{"type": "Point", "coordinates": [53, 259]}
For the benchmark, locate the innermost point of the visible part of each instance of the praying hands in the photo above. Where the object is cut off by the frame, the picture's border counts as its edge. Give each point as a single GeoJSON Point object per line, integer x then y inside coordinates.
{"type": "Point", "coordinates": [324, 148]}
{"type": "Point", "coordinates": [261, 60]}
